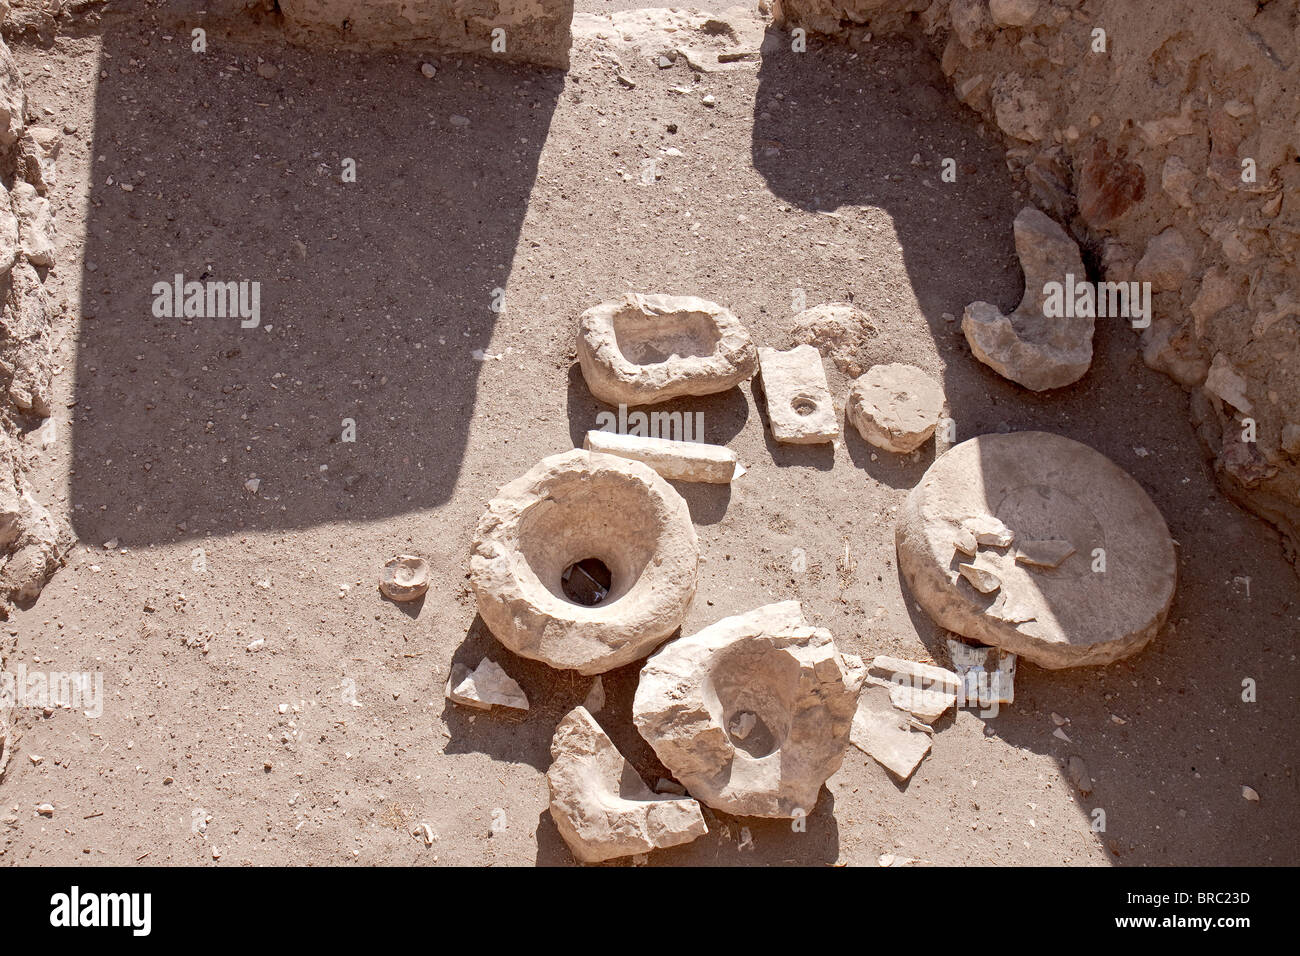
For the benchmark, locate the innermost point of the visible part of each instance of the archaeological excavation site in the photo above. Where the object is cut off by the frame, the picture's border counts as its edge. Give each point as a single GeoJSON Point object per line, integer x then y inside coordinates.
{"type": "Point", "coordinates": [539, 433]}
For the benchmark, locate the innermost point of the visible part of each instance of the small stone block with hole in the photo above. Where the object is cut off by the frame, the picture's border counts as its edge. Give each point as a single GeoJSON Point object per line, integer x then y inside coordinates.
{"type": "Point", "coordinates": [799, 405]}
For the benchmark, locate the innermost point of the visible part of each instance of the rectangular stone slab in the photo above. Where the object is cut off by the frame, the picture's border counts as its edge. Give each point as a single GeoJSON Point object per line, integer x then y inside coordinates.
{"type": "Point", "coordinates": [799, 406]}
{"type": "Point", "coordinates": [675, 460]}
{"type": "Point", "coordinates": [887, 734]}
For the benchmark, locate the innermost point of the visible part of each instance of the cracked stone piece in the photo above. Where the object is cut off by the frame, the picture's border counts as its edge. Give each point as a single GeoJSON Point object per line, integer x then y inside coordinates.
{"type": "Point", "coordinates": [897, 670]}
{"type": "Point", "coordinates": [765, 672]}
{"type": "Point", "coordinates": [887, 735]}
{"type": "Point", "coordinates": [1167, 261]}
{"type": "Point", "coordinates": [35, 224]}
{"type": "Point", "coordinates": [645, 349]}
{"type": "Point", "coordinates": [923, 690]}
{"type": "Point", "coordinates": [1226, 383]}
{"type": "Point", "coordinates": [1044, 488]}
{"type": "Point", "coordinates": [988, 530]}
{"type": "Point", "coordinates": [799, 405]}
{"type": "Point", "coordinates": [38, 150]}
{"type": "Point", "coordinates": [988, 674]}
{"type": "Point", "coordinates": [966, 542]}
{"type": "Point", "coordinates": [895, 407]}
{"type": "Point", "coordinates": [404, 578]}
{"type": "Point", "coordinates": [485, 687]}
{"type": "Point", "coordinates": [1012, 13]}
{"type": "Point", "coordinates": [674, 460]}
{"type": "Point", "coordinates": [1046, 554]}
{"type": "Point", "coordinates": [567, 509]}
{"type": "Point", "coordinates": [981, 579]}
{"type": "Point", "coordinates": [600, 804]}
{"type": "Point", "coordinates": [1027, 346]}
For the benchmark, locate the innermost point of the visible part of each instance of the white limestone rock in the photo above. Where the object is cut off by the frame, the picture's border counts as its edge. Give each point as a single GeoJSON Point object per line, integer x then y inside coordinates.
{"type": "Point", "coordinates": [674, 460]}
{"type": "Point", "coordinates": [485, 687]}
{"type": "Point", "coordinates": [599, 803]}
{"type": "Point", "coordinates": [645, 349]}
{"type": "Point", "coordinates": [799, 406]}
{"type": "Point", "coordinates": [780, 683]}
{"type": "Point", "coordinates": [1029, 347]}
{"type": "Point", "coordinates": [895, 407]}
{"type": "Point", "coordinates": [1103, 602]}
{"type": "Point", "coordinates": [567, 509]}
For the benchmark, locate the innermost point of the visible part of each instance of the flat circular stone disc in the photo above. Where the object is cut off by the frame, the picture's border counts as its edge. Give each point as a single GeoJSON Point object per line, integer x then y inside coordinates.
{"type": "Point", "coordinates": [1039, 545]}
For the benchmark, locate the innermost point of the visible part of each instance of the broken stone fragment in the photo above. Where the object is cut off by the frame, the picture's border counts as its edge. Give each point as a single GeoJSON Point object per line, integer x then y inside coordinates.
{"type": "Point", "coordinates": [923, 690]}
{"type": "Point", "coordinates": [895, 407]}
{"type": "Point", "coordinates": [600, 804]}
{"type": "Point", "coordinates": [838, 331]}
{"type": "Point", "coordinates": [1030, 347]}
{"type": "Point", "coordinates": [37, 151]}
{"type": "Point", "coordinates": [752, 713]}
{"type": "Point", "coordinates": [799, 406]}
{"type": "Point", "coordinates": [404, 578]}
{"type": "Point", "coordinates": [1227, 384]}
{"type": "Point", "coordinates": [981, 579]}
{"type": "Point", "coordinates": [965, 542]}
{"type": "Point", "coordinates": [888, 735]}
{"type": "Point", "coordinates": [1045, 554]}
{"type": "Point", "coordinates": [35, 224]}
{"type": "Point", "coordinates": [572, 512]}
{"type": "Point", "coordinates": [1020, 112]}
{"type": "Point", "coordinates": [485, 687]}
{"type": "Point", "coordinates": [1012, 13]}
{"type": "Point", "coordinates": [1168, 260]}
{"type": "Point", "coordinates": [674, 460]}
{"type": "Point", "coordinates": [988, 530]}
{"type": "Point", "coordinates": [1046, 488]}
{"type": "Point", "coordinates": [645, 349]}
{"type": "Point", "coordinates": [897, 670]}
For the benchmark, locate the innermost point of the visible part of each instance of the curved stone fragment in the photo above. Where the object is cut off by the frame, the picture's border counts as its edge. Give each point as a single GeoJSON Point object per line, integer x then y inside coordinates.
{"type": "Point", "coordinates": [645, 349]}
{"type": "Point", "coordinates": [1029, 347]}
{"type": "Point", "coordinates": [1106, 596]}
{"type": "Point", "coordinates": [751, 714]}
{"type": "Point", "coordinates": [895, 407]}
{"type": "Point", "coordinates": [599, 803]}
{"type": "Point", "coordinates": [567, 509]}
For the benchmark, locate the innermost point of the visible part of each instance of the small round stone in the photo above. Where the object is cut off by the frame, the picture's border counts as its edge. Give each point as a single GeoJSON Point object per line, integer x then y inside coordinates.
{"type": "Point", "coordinates": [1076, 559]}
{"type": "Point", "coordinates": [404, 578]}
{"type": "Point", "coordinates": [895, 407]}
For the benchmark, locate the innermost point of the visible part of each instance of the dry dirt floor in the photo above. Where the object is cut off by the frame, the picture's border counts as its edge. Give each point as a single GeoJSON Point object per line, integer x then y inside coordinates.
{"type": "Point", "coordinates": [817, 172]}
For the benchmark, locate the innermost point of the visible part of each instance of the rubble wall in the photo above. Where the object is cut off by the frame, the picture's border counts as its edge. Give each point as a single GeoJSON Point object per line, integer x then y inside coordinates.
{"type": "Point", "coordinates": [1168, 143]}
{"type": "Point", "coordinates": [32, 541]}
{"type": "Point", "coordinates": [533, 31]}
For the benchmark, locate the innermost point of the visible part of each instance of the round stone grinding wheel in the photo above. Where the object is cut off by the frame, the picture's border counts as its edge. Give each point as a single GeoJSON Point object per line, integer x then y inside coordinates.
{"type": "Point", "coordinates": [1040, 545]}
{"type": "Point", "coordinates": [586, 562]}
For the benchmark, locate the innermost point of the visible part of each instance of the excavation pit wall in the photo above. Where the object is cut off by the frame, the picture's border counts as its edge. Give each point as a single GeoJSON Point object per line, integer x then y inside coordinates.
{"type": "Point", "coordinates": [1167, 140]}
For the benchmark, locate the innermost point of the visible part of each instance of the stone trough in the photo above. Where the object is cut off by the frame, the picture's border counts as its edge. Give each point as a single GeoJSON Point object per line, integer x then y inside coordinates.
{"type": "Point", "coordinates": [646, 349]}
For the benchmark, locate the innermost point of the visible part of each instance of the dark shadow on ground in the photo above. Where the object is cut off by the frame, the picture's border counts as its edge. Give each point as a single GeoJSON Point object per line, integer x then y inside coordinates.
{"type": "Point", "coordinates": [374, 294]}
{"type": "Point", "coordinates": [1165, 734]}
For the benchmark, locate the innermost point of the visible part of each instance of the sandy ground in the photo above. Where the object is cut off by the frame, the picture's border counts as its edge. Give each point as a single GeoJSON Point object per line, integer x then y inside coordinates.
{"type": "Point", "coordinates": [332, 742]}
